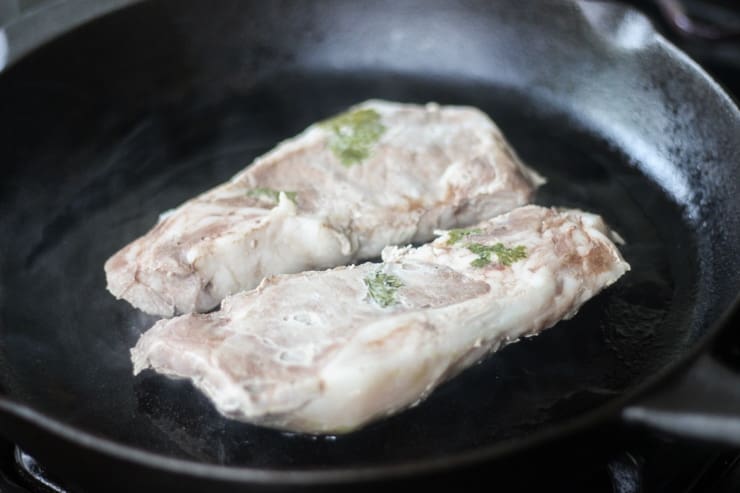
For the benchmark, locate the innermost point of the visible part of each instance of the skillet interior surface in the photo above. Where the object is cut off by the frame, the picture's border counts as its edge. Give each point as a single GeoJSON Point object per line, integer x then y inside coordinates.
{"type": "Point", "coordinates": [103, 130]}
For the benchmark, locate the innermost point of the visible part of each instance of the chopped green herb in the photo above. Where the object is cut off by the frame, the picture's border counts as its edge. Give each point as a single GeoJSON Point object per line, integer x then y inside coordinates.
{"type": "Point", "coordinates": [506, 256]}
{"type": "Point", "coordinates": [455, 235]}
{"type": "Point", "coordinates": [271, 194]}
{"type": "Point", "coordinates": [382, 288]}
{"type": "Point", "coordinates": [353, 134]}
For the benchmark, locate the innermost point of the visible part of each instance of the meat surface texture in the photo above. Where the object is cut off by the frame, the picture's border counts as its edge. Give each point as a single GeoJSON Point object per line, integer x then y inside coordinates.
{"type": "Point", "coordinates": [381, 174]}
{"type": "Point", "coordinates": [329, 351]}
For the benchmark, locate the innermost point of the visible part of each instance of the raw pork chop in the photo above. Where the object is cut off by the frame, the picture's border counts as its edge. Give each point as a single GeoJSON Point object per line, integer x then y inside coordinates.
{"type": "Point", "coordinates": [381, 174]}
{"type": "Point", "coordinates": [326, 352]}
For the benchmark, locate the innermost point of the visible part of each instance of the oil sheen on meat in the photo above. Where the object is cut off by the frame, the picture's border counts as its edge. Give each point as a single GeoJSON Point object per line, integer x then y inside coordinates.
{"type": "Point", "coordinates": [381, 174]}
{"type": "Point", "coordinates": [329, 351]}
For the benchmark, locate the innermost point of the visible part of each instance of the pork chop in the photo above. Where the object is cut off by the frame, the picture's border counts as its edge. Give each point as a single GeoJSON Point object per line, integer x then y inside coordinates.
{"type": "Point", "coordinates": [329, 351]}
{"type": "Point", "coordinates": [381, 174]}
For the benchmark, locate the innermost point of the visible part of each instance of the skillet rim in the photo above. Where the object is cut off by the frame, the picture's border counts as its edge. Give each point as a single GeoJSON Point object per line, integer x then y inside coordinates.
{"type": "Point", "coordinates": [73, 15]}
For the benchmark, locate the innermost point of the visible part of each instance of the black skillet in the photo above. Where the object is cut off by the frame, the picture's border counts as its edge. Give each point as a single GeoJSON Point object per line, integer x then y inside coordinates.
{"type": "Point", "coordinates": [127, 115]}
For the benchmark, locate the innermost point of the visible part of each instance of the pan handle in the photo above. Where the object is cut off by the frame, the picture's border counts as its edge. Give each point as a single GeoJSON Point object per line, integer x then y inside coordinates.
{"type": "Point", "coordinates": [702, 401]}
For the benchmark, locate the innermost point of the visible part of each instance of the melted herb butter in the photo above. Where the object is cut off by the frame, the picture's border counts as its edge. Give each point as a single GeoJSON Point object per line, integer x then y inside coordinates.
{"type": "Point", "coordinates": [455, 235]}
{"type": "Point", "coordinates": [506, 256]}
{"type": "Point", "coordinates": [353, 135]}
{"type": "Point", "coordinates": [382, 287]}
{"type": "Point", "coordinates": [271, 194]}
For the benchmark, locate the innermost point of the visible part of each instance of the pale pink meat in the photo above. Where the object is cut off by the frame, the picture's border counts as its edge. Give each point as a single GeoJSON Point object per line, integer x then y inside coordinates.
{"type": "Point", "coordinates": [317, 352]}
{"type": "Point", "coordinates": [433, 167]}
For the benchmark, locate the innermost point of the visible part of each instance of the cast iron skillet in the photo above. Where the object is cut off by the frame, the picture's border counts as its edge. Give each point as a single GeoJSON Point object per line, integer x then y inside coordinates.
{"type": "Point", "coordinates": [125, 116]}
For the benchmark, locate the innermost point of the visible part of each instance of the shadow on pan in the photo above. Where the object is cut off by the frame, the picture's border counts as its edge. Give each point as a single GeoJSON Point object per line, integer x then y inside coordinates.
{"type": "Point", "coordinates": [129, 115]}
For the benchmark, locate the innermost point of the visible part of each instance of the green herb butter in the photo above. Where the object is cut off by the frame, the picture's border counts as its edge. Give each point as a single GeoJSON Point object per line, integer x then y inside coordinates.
{"type": "Point", "coordinates": [382, 287]}
{"type": "Point", "coordinates": [506, 256]}
{"type": "Point", "coordinates": [455, 235]}
{"type": "Point", "coordinates": [353, 135]}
